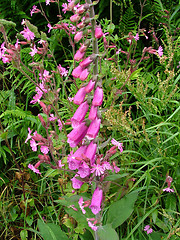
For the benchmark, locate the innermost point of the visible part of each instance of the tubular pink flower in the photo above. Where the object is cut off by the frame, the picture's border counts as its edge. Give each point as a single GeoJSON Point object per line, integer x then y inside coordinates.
{"type": "Point", "coordinates": [93, 129]}
{"type": "Point", "coordinates": [81, 9]}
{"type": "Point", "coordinates": [29, 135]}
{"type": "Point", "coordinates": [83, 48]}
{"type": "Point", "coordinates": [33, 145]}
{"type": "Point", "coordinates": [93, 113]}
{"type": "Point", "coordinates": [80, 95]}
{"type": "Point", "coordinates": [90, 86]}
{"type": "Point", "coordinates": [91, 152]}
{"type": "Point", "coordinates": [28, 34]}
{"type": "Point", "coordinates": [98, 32]}
{"type": "Point", "coordinates": [98, 97]}
{"type": "Point", "coordinates": [79, 55]}
{"type": "Point", "coordinates": [79, 115]}
{"type": "Point", "coordinates": [75, 17]}
{"type": "Point", "coordinates": [84, 74]}
{"type": "Point", "coordinates": [44, 149]}
{"type": "Point", "coordinates": [118, 144]}
{"type": "Point", "coordinates": [78, 36]}
{"type": "Point", "coordinates": [76, 183]}
{"type": "Point", "coordinates": [85, 63]}
{"type": "Point", "coordinates": [96, 201]}
{"type": "Point", "coordinates": [77, 134]}
{"type": "Point", "coordinates": [77, 71]}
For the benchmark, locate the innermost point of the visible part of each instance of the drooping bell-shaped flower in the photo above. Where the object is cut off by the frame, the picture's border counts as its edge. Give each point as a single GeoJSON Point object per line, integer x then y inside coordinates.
{"type": "Point", "coordinates": [96, 201]}
{"type": "Point", "coordinates": [98, 32]}
{"type": "Point", "coordinates": [84, 170]}
{"type": "Point", "coordinates": [93, 129]}
{"type": "Point", "coordinates": [79, 55]}
{"type": "Point", "coordinates": [77, 71]}
{"type": "Point", "coordinates": [84, 74]}
{"type": "Point", "coordinates": [78, 36]}
{"type": "Point", "coordinates": [79, 115]}
{"type": "Point", "coordinates": [80, 95]}
{"type": "Point", "coordinates": [77, 134]}
{"type": "Point", "coordinates": [93, 113]}
{"type": "Point", "coordinates": [75, 18]}
{"type": "Point", "coordinates": [91, 152]}
{"type": "Point", "coordinates": [90, 86]}
{"type": "Point", "coordinates": [72, 161]}
{"type": "Point", "coordinates": [76, 183]}
{"type": "Point", "coordinates": [85, 63]}
{"type": "Point", "coordinates": [98, 97]}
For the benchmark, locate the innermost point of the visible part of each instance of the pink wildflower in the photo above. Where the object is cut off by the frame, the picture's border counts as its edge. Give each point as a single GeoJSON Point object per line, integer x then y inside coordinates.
{"type": "Point", "coordinates": [76, 183]}
{"type": "Point", "coordinates": [52, 118]}
{"type": "Point", "coordinates": [92, 226]}
{"type": "Point", "coordinates": [33, 168]}
{"type": "Point", "coordinates": [33, 145]}
{"type": "Point", "coordinates": [84, 170]}
{"type": "Point", "coordinates": [34, 10]}
{"type": "Point", "coordinates": [27, 34]}
{"type": "Point", "coordinates": [60, 125]}
{"type": "Point", "coordinates": [60, 164]}
{"type": "Point", "coordinates": [64, 6]}
{"type": "Point", "coordinates": [81, 202]}
{"type": "Point", "coordinates": [136, 37]}
{"type": "Point", "coordinates": [33, 51]}
{"type": "Point", "coordinates": [148, 229]}
{"type": "Point", "coordinates": [168, 189]}
{"type": "Point", "coordinates": [160, 51]}
{"type": "Point", "coordinates": [77, 71]}
{"type": "Point", "coordinates": [118, 144]}
{"type": "Point", "coordinates": [62, 71]}
{"type": "Point", "coordinates": [98, 169]}
{"type": "Point", "coordinates": [79, 55]}
{"type": "Point", "coordinates": [50, 27]}
{"type": "Point", "coordinates": [78, 36]}
{"type": "Point", "coordinates": [79, 97]}
{"type": "Point", "coordinates": [98, 97]}
{"type": "Point", "coordinates": [84, 74]}
{"type": "Point", "coordinates": [98, 32]}
{"type": "Point", "coordinates": [93, 129]}
{"type": "Point", "coordinates": [75, 18]}
{"type": "Point", "coordinates": [44, 149]}
{"type": "Point", "coordinates": [79, 115]}
{"type": "Point", "coordinates": [96, 201]}
{"type": "Point", "coordinates": [29, 135]}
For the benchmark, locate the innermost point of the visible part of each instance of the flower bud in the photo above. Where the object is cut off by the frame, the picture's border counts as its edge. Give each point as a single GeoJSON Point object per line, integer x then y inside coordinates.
{"type": "Point", "coordinates": [93, 129]}
{"type": "Point", "coordinates": [90, 86]}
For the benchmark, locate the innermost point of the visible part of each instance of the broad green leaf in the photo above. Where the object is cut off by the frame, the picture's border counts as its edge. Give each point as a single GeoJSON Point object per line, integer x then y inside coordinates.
{"type": "Point", "coordinates": [24, 235]}
{"type": "Point", "coordinates": [119, 211]}
{"type": "Point", "coordinates": [51, 231]}
{"type": "Point", "coordinates": [107, 233]}
{"type": "Point", "coordinates": [114, 177]}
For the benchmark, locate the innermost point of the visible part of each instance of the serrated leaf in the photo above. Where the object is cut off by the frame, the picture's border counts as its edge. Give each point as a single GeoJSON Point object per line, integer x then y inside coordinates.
{"type": "Point", "coordinates": [107, 233]}
{"type": "Point", "coordinates": [33, 29]}
{"type": "Point", "coordinates": [7, 23]}
{"type": "Point", "coordinates": [51, 231]}
{"type": "Point", "coordinates": [121, 210]}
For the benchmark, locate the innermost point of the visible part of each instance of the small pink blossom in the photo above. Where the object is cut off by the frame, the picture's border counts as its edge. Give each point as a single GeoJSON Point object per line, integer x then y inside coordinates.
{"type": "Point", "coordinates": [52, 118]}
{"type": "Point", "coordinates": [48, 2]}
{"type": "Point", "coordinates": [27, 34]}
{"type": "Point", "coordinates": [33, 168]}
{"type": "Point", "coordinates": [160, 51]}
{"type": "Point", "coordinates": [81, 202]}
{"type": "Point", "coordinates": [92, 226]}
{"type": "Point", "coordinates": [44, 149]}
{"type": "Point", "coordinates": [168, 189]}
{"type": "Point", "coordinates": [29, 135]}
{"type": "Point", "coordinates": [34, 10]}
{"type": "Point", "coordinates": [60, 125]}
{"type": "Point", "coordinates": [62, 71]}
{"type": "Point", "coordinates": [136, 37]}
{"type": "Point", "coordinates": [33, 51]}
{"type": "Point", "coordinates": [33, 145]}
{"type": "Point", "coordinates": [64, 6]}
{"type": "Point", "coordinates": [98, 169]}
{"type": "Point", "coordinates": [76, 183]}
{"type": "Point", "coordinates": [50, 27]}
{"type": "Point", "coordinates": [60, 164]}
{"type": "Point", "coordinates": [98, 32]}
{"type": "Point", "coordinates": [118, 144]}
{"type": "Point", "coordinates": [148, 229]}
{"type": "Point", "coordinates": [96, 201]}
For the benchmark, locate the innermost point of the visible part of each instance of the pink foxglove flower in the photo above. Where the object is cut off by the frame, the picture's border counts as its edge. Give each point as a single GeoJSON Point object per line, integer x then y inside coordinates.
{"type": "Point", "coordinates": [93, 113]}
{"type": "Point", "coordinates": [83, 76]}
{"type": "Point", "coordinates": [79, 55]}
{"type": "Point", "coordinates": [72, 161]}
{"type": "Point", "coordinates": [118, 144]}
{"type": "Point", "coordinates": [79, 115]}
{"type": "Point", "coordinates": [33, 168]}
{"type": "Point", "coordinates": [91, 152]}
{"type": "Point", "coordinates": [76, 183]}
{"type": "Point", "coordinates": [160, 51]}
{"type": "Point", "coordinates": [77, 134]}
{"type": "Point", "coordinates": [93, 129]}
{"type": "Point", "coordinates": [75, 18]}
{"type": "Point", "coordinates": [44, 149]}
{"type": "Point", "coordinates": [98, 32]}
{"type": "Point", "coordinates": [98, 97]}
{"type": "Point", "coordinates": [77, 71]}
{"type": "Point", "coordinates": [78, 36]}
{"type": "Point", "coordinates": [96, 201]}
{"type": "Point", "coordinates": [90, 86]}
{"type": "Point", "coordinates": [85, 63]}
{"type": "Point", "coordinates": [80, 95]}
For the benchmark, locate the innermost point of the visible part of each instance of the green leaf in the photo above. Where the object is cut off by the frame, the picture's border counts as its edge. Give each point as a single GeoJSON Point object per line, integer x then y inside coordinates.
{"type": "Point", "coordinates": [121, 210]}
{"type": "Point", "coordinates": [24, 235]}
{"type": "Point", "coordinates": [107, 233]}
{"type": "Point", "coordinates": [114, 177]}
{"type": "Point", "coordinates": [33, 29]}
{"type": "Point", "coordinates": [51, 231]}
